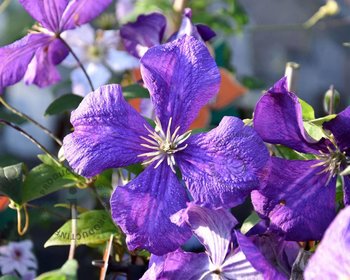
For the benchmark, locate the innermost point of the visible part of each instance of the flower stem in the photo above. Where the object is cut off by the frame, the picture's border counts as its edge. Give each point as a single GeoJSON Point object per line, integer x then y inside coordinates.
{"type": "Point", "coordinates": [79, 63]}
{"type": "Point", "coordinates": [24, 116]}
{"type": "Point", "coordinates": [32, 139]}
{"type": "Point", "coordinates": [290, 72]}
{"type": "Point", "coordinates": [73, 241]}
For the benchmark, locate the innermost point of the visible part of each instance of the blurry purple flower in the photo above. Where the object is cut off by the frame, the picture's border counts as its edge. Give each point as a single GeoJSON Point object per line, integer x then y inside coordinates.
{"type": "Point", "coordinates": [17, 257]}
{"type": "Point", "coordinates": [99, 54]}
{"type": "Point", "coordinates": [148, 31]}
{"type": "Point", "coordinates": [220, 168]}
{"type": "Point", "coordinates": [299, 197]}
{"type": "Point", "coordinates": [332, 257]}
{"type": "Point", "coordinates": [214, 229]}
{"type": "Point", "coordinates": [34, 57]}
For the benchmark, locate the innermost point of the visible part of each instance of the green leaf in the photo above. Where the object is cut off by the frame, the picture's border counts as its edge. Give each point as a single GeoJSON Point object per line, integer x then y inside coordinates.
{"type": "Point", "coordinates": [315, 131]}
{"type": "Point", "coordinates": [135, 168]}
{"type": "Point", "coordinates": [67, 272]}
{"type": "Point", "coordinates": [9, 277]}
{"type": "Point", "coordinates": [307, 110]}
{"type": "Point", "coordinates": [64, 103]}
{"type": "Point", "coordinates": [93, 228]}
{"type": "Point", "coordinates": [288, 153]}
{"type": "Point", "coordinates": [250, 222]}
{"type": "Point", "coordinates": [11, 117]}
{"type": "Point", "coordinates": [135, 91]}
{"type": "Point", "coordinates": [11, 181]}
{"type": "Point", "coordinates": [322, 120]}
{"type": "Point", "coordinates": [44, 179]}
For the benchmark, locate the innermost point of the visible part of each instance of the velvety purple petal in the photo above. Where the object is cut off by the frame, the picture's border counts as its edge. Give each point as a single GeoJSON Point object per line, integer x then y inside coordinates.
{"type": "Point", "coordinates": [332, 259]}
{"type": "Point", "coordinates": [58, 51]}
{"type": "Point", "coordinates": [340, 127]}
{"type": "Point", "coordinates": [16, 57]}
{"type": "Point", "coordinates": [178, 265]}
{"type": "Point", "coordinates": [42, 69]}
{"type": "Point", "coordinates": [46, 12]}
{"type": "Point", "coordinates": [213, 228]}
{"type": "Point", "coordinates": [278, 119]}
{"type": "Point", "coordinates": [257, 260]}
{"type": "Point", "coordinates": [143, 208]}
{"type": "Point", "coordinates": [297, 199]}
{"type": "Point", "coordinates": [279, 253]}
{"type": "Point", "coordinates": [205, 32]}
{"type": "Point", "coordinates": [346, 190]}
{"type": "Point", "coordinates": [223, 166]}
{"type": "Point", "coordinates": [181, 77]}
{"type": "Point", "coordinates": [146, 32]}
{"type": "Point", "coordinates": [106, 133]}
{"type": "Point", "coordinates": [79, 12]}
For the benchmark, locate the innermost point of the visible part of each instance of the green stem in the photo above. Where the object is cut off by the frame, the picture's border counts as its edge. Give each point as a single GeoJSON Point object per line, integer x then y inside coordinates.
{"type": "Point", "coordinates": [24, 116]}
{"type": "Point", "coordinates": [79, 63]}
{"type": "Point", "coordinates": [32, 139]}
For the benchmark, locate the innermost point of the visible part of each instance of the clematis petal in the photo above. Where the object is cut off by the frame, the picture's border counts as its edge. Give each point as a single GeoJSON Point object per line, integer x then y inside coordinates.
{"type": "Point", "coordinates": [46, 12]}
{"type": "Point", "coordinates": [340, 128]}
{"type": "Point", "coordinates": [223, 166]}
{"type": "Point", "coordinates": [42, 69]}
{"type": "Point", "coordinates": [205, 32]}
{"type": "Point", "coordinates": [181, 77]}
{"type": "Point", "coordinates": [146, 32]}
{"type": "Point", "coordinates": [213, 229]}
{"type": "Point", "coordinates": [107, 133]}
{"type": "Point", "coordinates": [297, 199]}
{"type": "Point", "coordinates": [179, 265]}
{"type": "Point", "coordinates": [79, 12]}
{"type": "Point", "coordinates": [256, 258]}
{"type": "Point", "coordinates": [16, 57]}
{"type": "Point", "coordinates": [278, 119]}
{"type": "Point", "coordinates": [332, 259]}
{"type": "Point", "coordinates": [143, 208]}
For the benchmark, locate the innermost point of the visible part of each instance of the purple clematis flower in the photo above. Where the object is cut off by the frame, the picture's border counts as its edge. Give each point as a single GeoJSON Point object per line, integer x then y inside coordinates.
{"type": "Point", "coordinates": [148, 31]}
{"type": "Point", "coordinates": [35, 56]}
{"type": "Point", "coordinates": [220, 168]}
{"type": "Point", "coordinates": [332, 259]}
{"type": "Point", "coordinates": [223, 259]}
{"type": "Point", "coordinates": [299, 196]}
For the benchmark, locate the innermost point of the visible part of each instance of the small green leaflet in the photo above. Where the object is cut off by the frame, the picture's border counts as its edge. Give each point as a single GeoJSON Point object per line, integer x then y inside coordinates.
{"type": "Point", "coordinates": [63, 104]}
{"type": "Point", "coordinates": [67, 272]}
{"type": "Point", "coordinates": [250, 222]}
{"type": "Point", "coordinates": [93, 228]}
{"type": "Point", "coordinates": [135, 91]}
{"type": "Point", "coordinates": [11, 181]}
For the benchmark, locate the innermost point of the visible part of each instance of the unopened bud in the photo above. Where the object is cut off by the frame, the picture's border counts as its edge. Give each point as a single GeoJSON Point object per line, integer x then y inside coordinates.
{"type": "Point", "coordinates": [331, 100]}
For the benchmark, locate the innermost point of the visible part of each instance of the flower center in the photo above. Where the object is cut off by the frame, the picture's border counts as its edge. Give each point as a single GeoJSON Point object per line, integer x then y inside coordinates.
{"type": "Point", "coordinates": [163, 144]}
{"type": "Point", "coordinates": [331, 161]}
{"type": "Point", "coordinates": [95, 52]}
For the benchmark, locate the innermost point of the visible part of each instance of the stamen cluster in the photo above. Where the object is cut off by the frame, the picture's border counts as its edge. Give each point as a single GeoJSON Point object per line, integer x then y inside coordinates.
{"type": "Point", "coordinates": [164, 144]}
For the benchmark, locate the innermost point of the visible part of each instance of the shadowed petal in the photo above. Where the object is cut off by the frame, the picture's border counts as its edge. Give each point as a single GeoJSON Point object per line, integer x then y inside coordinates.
{"type": "Point", "coordinates": [42, 69]}
{"type": "Point", "coordinates": [332, 259]}
{"type": "Point", "coordinates": [278, 119]}
{"type": "Point", "coordinates": [46, 12]}
{"type": "Point", "coordinates": [181, 77]}
{"type": "Point", "coordinates": [256, 259]}
{"type": "Point", "coordinates": [146, 32]}
{"type": "Point", "coordinates": [79, 12]}
{"type": "Point", "coordinates": [178, 265]}
{"type": "Point", "coordinates": [340, 127]}
{"type": "Point", "coordinates": [106, 133]}
{"type": "Point", "coordinates": [205, 32]}
{"type": "Point", "coordinates": [16, 57]}
{"type": "Point", "coordinates": [143, 208]}
{"type": "Point", "coordinates": [297, 199]}
{"type": "Point", "coordinates": [213, 229]}
{"type": "Point", "coordinates": [222, 167]}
